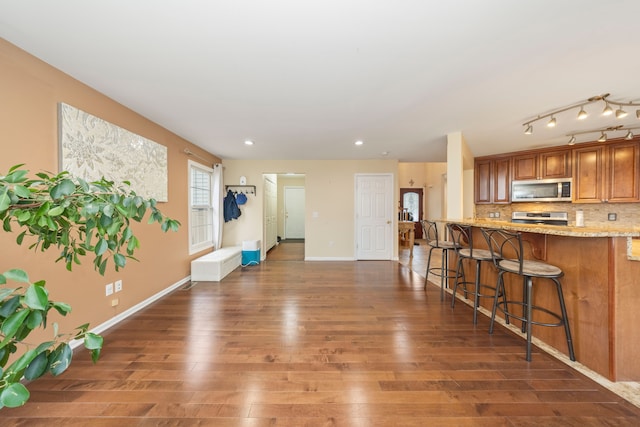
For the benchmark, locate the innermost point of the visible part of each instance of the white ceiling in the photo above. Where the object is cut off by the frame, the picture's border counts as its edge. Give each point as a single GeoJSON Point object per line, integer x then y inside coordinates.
{"type": "Point", "coordinates": [305, 79]}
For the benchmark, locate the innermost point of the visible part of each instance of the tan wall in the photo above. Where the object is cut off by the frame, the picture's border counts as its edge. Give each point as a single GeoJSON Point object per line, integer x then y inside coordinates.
{"type": "Point", "coordinates": [329, 202]}
{"type": "Point", "coordinates": [29, 93]}
{"type": "Point", "coordinates": [427, 176]}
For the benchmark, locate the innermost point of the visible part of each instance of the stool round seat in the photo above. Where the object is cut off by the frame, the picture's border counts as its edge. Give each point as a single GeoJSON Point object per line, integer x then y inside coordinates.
{"type": "Point", "coordinates": [530, 268]}
{"type": "Point", "coordinates": [481, 254]}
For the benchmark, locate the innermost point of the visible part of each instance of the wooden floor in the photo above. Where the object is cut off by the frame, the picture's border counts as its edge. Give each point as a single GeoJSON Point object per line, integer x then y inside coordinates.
{"type": "Point", "coordinates": [293, 343]}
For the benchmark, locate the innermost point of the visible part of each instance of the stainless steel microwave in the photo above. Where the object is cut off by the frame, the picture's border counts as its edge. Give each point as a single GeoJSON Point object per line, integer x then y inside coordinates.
{"type": "Point", "coordinates": [541, 190]}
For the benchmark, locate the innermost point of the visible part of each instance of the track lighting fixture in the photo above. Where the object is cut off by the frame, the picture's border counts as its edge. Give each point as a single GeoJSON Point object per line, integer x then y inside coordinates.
{"type": "Point", "coordinates": [582, 114]}
{"type": "Point", "coordinates": [604, 133]}
{"type": "Point", "coordinates": [620, 113]}
{"type": "Point", "coordinates": [552, 122]}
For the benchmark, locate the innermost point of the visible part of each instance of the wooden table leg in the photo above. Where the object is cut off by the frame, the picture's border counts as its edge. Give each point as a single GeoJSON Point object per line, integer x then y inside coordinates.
{"type": "Point", "coordinates": [412, 239]}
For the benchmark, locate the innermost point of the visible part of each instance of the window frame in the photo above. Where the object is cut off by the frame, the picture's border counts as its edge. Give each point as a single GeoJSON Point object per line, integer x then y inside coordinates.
{"type": "Point", "coordinates": [208, 243]}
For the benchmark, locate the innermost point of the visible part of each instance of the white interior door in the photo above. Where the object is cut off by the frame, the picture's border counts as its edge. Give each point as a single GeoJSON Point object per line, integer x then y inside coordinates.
{"type": "Point", "coordinates": [374, 216]}
{"type": "Point", "coordinates": [294, 212]}
{"type": "Point", "coordinates": [270, 212]}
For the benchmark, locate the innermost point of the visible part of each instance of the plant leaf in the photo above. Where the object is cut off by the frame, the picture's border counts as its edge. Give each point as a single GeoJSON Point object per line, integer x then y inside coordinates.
{"type": "Point", "coordinates": [38, 366]}
{"type": "Point", "coordinates": [34, 319]}
{"type": "Point", "coordinates": [22, 191]}
{"type": "Point", "coordinates": [62, 308]}
{"type": "Point", "coordinates": [5, 201]}
{"type": "Point", "coordinates": [36, 297]}
{"type": "Point", "coordinates": [14, 395]}
{"type": "Point", "coordinates": [101, 247]}
{"type": "Point", "coordinates": [9, 306]}
{"type": "Point", "coordinates": [93, 341]}
{"type": "Point", "coordinates": [12, 323]}
{"type": "Point", "coordinates": [119, 259]}
{"type": "Point", "coordinates": [17, 275]}
{"type": "Point", "coordinates": [55, 211]}
{"type": "Point", "coordinates": [62, 189]}
{"type": "Point", "coordinates": [60, 359]}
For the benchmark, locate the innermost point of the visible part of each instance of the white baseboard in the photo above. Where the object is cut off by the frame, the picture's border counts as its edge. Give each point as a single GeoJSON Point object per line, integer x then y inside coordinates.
{"type": "Point", "coordinates": [122, 316]}
{"type": "Point", "coordinates": [313, 258]}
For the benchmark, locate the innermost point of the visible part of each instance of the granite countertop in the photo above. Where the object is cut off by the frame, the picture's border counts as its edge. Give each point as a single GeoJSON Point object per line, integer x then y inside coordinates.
{"type": "Point", "coordinates": [556, 230]}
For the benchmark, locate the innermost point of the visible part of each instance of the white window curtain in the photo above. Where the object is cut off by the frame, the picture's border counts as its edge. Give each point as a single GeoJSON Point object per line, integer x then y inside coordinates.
{"type": "Point", "coordinates": [217, 199]}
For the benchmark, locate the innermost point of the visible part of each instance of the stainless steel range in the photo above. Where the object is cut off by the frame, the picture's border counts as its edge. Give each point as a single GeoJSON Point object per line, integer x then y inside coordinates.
{"type": "Point", "coordinates": [547, 218]}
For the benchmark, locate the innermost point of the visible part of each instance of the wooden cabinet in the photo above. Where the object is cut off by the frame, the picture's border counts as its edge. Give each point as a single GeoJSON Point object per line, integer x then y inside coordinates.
{"type": "Point", "coordinates": [607, 173]}
{"type": "Point", "coordinates": [548, 164]}
{"type": "Point", "coordinates": [493, 180]}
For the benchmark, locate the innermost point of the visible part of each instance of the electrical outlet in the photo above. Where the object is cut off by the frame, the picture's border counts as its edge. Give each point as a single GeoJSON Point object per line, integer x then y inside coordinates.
{"type": "Point", "coordinates": [115, 302]}
{"type": "Point", "coordinates": [109, 289]}
{"type": "Point", "coordinates": [118, 284]}
{"type": "Point", "coordinates": [612, 217]}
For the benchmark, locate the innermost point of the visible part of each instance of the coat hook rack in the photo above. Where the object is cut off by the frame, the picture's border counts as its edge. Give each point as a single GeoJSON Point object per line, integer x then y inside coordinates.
{"type": "Point", "coordinates": [247, 189]}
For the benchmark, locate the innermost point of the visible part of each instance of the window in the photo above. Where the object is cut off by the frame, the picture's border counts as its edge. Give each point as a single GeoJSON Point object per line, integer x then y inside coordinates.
{"type": "Point", "coordinates": [201, 207]}
{"type": "Point", "coordinates": [411, 202]}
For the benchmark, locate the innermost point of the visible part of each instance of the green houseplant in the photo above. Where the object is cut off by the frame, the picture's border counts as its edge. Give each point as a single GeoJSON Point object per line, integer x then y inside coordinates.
{"type": "Point", "coordinates": [78, 218]}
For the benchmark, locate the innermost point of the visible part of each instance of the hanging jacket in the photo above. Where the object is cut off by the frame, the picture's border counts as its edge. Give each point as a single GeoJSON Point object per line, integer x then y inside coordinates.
{"type": "Point", "coordinates": [231, 209]}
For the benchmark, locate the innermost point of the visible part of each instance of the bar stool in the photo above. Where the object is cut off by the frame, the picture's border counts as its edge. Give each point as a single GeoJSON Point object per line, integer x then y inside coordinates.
{"type": "Point", "coordinates": [462, 236]}
{"type": "Point", "coordinates": [507, 255]}
{"type": "Point", "coordinates": [430, 232]}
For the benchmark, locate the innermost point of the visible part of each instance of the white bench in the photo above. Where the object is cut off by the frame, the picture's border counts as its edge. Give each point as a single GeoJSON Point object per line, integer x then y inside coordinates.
{"type": "Point", "coordinates": [215, 265]}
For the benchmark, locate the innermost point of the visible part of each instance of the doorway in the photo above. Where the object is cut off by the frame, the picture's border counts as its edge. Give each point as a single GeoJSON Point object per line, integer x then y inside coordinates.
{"type": "Point", "coordinates": [412, 199]}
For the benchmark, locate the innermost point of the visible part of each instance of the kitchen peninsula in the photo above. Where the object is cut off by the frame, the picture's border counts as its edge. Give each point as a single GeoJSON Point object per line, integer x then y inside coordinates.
{"type": "Point", "coordinates": [601, 290]}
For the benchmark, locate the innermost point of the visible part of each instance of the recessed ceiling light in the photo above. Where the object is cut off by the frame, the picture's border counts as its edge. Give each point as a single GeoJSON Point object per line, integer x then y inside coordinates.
{"type": "Point", "coordinates": [248, 142]}
{"type": "Point", "coordinates": [385, 153]}
{"type": "Point", "coordinates": [359, 142]}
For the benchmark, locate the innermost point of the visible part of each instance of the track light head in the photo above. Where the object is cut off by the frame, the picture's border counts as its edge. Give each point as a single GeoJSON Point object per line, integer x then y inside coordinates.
{"type": "Point", "coordinates": [572, 141]}
{"type": "Point", "coordinates": [638, 114]}
{"type": "Point", "coordinates": [607, 110]}
{"type": "Point", "coordinates": [620, 113]}
{"type": "Point", "coordinates": [603, 137]}
{"type": "Point", "coordinates": [529, 129]}
{"type": "Point", "coordinates": [629, 135]}
{"type": "Point", "coordinates": [552, 122]}
{"type": "Point", "coordinates": [582, 114]}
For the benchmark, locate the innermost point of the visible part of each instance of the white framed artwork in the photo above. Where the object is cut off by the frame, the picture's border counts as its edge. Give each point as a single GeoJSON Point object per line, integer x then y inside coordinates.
{"type": "Point", "coordinates": [92, 148]}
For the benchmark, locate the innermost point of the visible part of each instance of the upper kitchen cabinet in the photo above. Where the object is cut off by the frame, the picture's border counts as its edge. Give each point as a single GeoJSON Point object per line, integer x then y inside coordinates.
{"type": "Point", "coordinates": [607, 173]}
{"type": "Point", "coordinates": [548, 164]}
{"type": "Point", "coordinates": [492, 180]}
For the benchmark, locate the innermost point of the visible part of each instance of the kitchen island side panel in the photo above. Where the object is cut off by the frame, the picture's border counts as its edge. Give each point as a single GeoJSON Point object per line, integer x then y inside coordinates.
{"type": "Point", "coordinates": [626, 322]}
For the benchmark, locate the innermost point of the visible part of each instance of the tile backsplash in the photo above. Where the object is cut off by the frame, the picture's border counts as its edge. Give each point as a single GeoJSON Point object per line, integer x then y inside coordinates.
{"type": "Point", "coordinates": [595, 214]}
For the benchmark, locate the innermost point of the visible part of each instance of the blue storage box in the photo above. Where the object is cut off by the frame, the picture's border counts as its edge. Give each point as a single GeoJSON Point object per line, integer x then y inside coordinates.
{"type": "Point", "coordinates": [250, 252]}
{"type": "Point", "coordinates": [250, 257]}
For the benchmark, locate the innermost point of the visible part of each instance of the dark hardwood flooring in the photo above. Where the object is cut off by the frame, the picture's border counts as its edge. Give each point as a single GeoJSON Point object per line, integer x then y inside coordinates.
{"type": "Point", "coordinates": [294, 343]}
